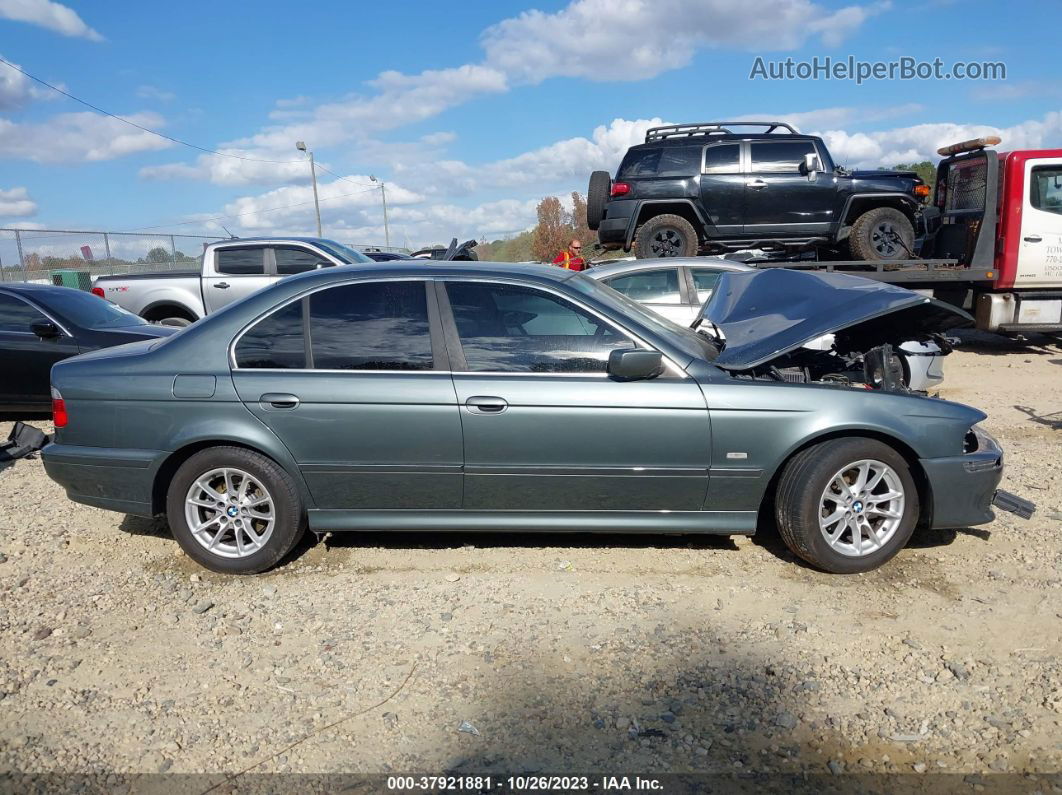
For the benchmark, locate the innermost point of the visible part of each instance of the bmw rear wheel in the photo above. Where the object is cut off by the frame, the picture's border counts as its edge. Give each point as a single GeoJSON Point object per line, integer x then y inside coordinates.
{"type": "Point", "coordinates": [234, 511]}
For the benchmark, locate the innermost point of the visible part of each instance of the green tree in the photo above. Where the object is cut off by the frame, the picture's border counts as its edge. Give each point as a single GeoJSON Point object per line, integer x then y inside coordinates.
{"type": "Point", "coordinates": [159, 255]}
{"type": "Point", "coordinates": [926, 170]}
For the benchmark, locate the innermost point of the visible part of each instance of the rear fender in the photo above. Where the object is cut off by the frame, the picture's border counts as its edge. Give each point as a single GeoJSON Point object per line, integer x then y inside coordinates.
{"type": "Point", "coordinates": [647, 208]}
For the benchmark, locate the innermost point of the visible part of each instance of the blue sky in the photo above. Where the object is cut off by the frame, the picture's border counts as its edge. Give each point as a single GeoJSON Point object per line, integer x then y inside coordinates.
{"type": "Point", "coordinates": [470, 112]}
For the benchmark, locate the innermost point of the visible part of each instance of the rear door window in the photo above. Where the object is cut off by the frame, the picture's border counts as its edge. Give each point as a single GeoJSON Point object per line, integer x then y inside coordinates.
{"type": "Point", "coordinates": [779, 157]}
{"type": "Point", "coordinates": [649, 287]}
{"type": "Point", "coordinates": [240, 261]}
{"type": "Point", "coordinates": [371, 326]}
{"type": "Point", "coordinates": [722, 159]}
{"type": "Point", "coordinates": [291, 259]}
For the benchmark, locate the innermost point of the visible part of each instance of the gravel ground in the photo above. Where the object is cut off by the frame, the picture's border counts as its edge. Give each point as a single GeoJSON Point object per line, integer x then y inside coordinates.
{"type": "Point", "coordinates": [468, 653]}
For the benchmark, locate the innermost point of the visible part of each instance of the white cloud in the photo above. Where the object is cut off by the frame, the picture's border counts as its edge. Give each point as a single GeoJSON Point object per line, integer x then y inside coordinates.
{"type": "Point", "coordinates": [53, 16]}
{"type": "Point", "coordinates": [78, 137]}
{"type": "Point", "coordinates": [156, 93]}
{"type": "Point", "coordinates": [17, 90]}
{"type": "Point", "coordinates": [16, 203]}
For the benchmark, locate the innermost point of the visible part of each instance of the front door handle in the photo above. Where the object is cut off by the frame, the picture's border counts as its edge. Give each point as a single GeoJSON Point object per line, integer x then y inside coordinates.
{"type": "Point", "coordinates": [1032, 238]}
{"type": "Point", "coordinates": [278, 400]}
{"type": "Point", "coordinates": [756, 183]}
{"type": "Point", "coordinates": [484, 404]}
{"type": "Point", "coordinates": [221, 285]}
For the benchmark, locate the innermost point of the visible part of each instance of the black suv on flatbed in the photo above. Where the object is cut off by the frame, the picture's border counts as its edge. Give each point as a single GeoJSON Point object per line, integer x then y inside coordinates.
{"type": "Point", "coordinates": [703, 188]}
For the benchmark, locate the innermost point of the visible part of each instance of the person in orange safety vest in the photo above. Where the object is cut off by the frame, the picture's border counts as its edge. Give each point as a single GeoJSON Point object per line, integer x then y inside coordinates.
{"type": "Point", "coordinates": [572, 257]}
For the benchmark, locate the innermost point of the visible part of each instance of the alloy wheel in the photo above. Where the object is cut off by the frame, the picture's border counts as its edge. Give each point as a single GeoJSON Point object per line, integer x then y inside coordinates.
{"type": "Point", "coordinates": [229, 512]}
{"type": "Point", "coordinates": [861, 508]}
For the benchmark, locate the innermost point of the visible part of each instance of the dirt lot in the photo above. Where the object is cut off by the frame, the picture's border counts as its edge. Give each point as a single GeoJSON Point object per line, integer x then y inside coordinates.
{"type": "Point", "coordinates": [563, 654]}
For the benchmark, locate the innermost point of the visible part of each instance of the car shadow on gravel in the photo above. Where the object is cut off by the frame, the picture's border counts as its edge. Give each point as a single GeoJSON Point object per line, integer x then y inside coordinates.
{"type": "Point", "coordinates": [1052, 421]}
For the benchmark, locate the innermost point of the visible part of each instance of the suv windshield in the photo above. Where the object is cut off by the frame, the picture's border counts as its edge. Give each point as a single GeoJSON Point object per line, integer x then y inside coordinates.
{"type": "Point", "coordinates": [338, 250]}
{"type": "Point", "coordinates": [89, 311]}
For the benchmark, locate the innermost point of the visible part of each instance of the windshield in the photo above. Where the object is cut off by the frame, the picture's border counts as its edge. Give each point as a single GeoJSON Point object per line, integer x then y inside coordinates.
{"type": "Point", "coordinates": [689, 341]}
{"type": "Point", "coordinates": [348, 255]}
{"type": "Point", "coordinates": [89, 311]}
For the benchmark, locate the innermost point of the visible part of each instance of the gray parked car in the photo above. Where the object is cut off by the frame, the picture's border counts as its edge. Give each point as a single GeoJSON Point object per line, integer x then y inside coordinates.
{"type": "Point", "coordinates": [500, 397]}
{"type": "Point", "coordinates": [677, 287]}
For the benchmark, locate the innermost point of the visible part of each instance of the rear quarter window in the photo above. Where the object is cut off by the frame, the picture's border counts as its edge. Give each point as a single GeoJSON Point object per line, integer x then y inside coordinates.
{"type": "Point", "coordinates": [664, 161]}
{"type": "Point", "coordinates": [240, 261]}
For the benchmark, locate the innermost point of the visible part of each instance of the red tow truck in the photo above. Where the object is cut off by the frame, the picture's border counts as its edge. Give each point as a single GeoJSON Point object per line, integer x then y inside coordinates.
{"type": "Point", "coordinates": [992, 239]}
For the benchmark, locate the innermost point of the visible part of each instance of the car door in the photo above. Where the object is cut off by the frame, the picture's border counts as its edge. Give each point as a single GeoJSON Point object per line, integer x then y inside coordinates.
{"type": "Point", "coordinates": [545, 427]}
{"type": "Point", "coordinates": [236, 271]}
{"type": "Point", "coordinates": [660, 289]}
{"type": "Point", "coordinates": [723, 188]}
{"type": "Point", "coordinates": [1040, 247]}
{"type": "Point", "coordinates": [354, 383]}
{"type": "Point", "coordinates": [779, 200]}
{"type": "Point", "coordinates": [25, 359]}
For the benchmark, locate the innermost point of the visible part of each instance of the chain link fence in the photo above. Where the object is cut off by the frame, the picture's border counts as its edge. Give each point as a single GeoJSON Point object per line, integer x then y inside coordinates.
{"type": "Point", "coordinates": [34, 255]}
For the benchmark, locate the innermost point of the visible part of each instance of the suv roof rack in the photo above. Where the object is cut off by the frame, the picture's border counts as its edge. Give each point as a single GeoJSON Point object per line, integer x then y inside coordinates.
{"type": "Point", "coordinates": [710, 128]}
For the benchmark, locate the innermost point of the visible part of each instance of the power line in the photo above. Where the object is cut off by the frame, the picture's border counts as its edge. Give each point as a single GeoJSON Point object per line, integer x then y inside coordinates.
{"type": "Point", "coordinates": [346, 179]}
{"type": "Point", "coordinates": [141, 127]}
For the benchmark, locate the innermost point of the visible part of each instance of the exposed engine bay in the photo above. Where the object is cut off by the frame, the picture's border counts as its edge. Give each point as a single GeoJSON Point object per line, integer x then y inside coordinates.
{"type": "Point", "coordinates": [880, 368]}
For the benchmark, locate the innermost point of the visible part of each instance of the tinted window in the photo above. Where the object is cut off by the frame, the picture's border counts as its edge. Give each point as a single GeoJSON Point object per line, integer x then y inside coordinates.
{"type": "Point", "coordinates": [374, 326]}
{"type": "Point", "coordinates": [679, 161]}
{"type": "Point", "coordinates": [639, 163]}
{"type": "Point", "coordinates": [297, 260]}
{"type": "Point", "coordinates": [240, 261]}
{"type": "Point", "coordinates": [1046, 189]}
{"type": "Point", "coordinates": [780, 156]}
{"type": "Point", "coordinates": [274, 341]}
{"type": "Point", "coordinates": [17, 315]}
{"type": "Point", "coordinates": [90, 311]}
{"type": "Point", "coordinates": [649, 287]}
{"type": "Point", "coordinates": [722, 159]}
{"type": "Point", "coordinates": [506, 328]}
{"type": "Point", "coordinates": [704, 281]}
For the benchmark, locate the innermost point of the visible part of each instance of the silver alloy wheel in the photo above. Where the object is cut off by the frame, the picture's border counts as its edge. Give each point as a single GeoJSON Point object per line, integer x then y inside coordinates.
{"type": "Point", "coordinates": [229, 512]}
{"type": "Point", "coordinates": [861, 508]}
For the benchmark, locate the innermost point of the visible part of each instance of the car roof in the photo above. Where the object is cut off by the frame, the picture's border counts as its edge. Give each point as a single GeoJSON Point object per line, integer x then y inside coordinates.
{"type": "Point", "coordinates": [32, 288]}
{"type": "Point", "coordinates": [629, 266]}
{"type": "Point", "coordinates": [428, 268]}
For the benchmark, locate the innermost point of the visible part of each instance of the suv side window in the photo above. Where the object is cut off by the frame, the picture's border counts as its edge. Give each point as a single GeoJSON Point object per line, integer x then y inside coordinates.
{"type": "Point", "coordinates": [722, 159]}
{"type": "Point", "coordinates": [779, 157]}
{"type": "Point", "coordinates": [17, 315]}
{"type": "Point", "coordinates": [514, 329]}
{"type": "Point", "coordinates": [649, 287]}
{"type": "Point", "coordinates": [240, 261]}
{"type": "Point", "coordinates": [639, 163]}
{"type": "Point", "coordinates": [297, 260]}
{"type": "Point", "coordinates": [275, 342]}
{"type": "Point", "coordinates": [371, 326]}
{"type": "Point", "coordinates": [1045, 189]}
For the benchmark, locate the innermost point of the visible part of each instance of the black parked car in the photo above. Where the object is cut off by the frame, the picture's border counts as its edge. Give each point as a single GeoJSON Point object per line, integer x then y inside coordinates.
{"type": "Point", "coordinates": [385, 256]}
{"type": "Point", "coordinates": [41, 325]}
{"type": "Point", "coordinates": [705, 188]}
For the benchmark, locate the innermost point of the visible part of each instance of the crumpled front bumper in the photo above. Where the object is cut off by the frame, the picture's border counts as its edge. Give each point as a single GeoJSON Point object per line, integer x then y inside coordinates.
{"type": "Point", "coordinates": [964, 488]}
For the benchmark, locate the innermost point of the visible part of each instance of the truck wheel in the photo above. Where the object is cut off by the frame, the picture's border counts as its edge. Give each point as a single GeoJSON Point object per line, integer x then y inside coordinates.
{"type": "Point", "coordinates": [597, 197]}
{"type": "Point", "coordinates": [846, 505]}
{"type": "Point", "coordinates": [234, 511]}
{"type": "Point", "coordinates": [666, 236]}
{"type": "Point", "coordinates": [881, 234]}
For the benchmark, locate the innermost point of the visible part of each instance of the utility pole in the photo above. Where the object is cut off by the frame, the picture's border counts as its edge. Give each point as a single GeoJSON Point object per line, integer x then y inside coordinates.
{"type": "Point", "coordinates": [301, 146]}
{"type": "Point", "coordinates": [383, 198]}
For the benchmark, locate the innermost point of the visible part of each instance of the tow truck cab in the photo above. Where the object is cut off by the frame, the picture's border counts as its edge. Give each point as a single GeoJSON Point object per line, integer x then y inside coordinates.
{"type": "Point", "coordinates": [1003, 210]}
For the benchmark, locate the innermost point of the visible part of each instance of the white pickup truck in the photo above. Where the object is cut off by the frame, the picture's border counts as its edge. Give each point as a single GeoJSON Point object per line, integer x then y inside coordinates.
{"type": "Point", "coordinates": [230, 270]}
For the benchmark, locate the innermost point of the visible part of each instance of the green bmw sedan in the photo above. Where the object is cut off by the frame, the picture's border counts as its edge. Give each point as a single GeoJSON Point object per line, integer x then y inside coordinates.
{"type": "Point", "coordinates": [480, 396]}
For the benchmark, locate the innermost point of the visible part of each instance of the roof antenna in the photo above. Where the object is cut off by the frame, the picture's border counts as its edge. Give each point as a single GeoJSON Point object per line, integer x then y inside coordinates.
{"type": "Point", "coordinates": [231, 236]}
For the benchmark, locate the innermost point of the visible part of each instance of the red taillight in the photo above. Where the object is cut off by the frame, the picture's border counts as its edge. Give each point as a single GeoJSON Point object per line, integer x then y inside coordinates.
{"type": "Point", "coordinates": [58, 409]}
{"type": "Point", "coordinates": [98, 291]}
{"type": "Point", "coordinates": [620, 188]}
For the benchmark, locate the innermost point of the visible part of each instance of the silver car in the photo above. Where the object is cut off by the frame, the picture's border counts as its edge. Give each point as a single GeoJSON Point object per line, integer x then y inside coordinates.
{"type": "Point", "coordinates": [678, 287]}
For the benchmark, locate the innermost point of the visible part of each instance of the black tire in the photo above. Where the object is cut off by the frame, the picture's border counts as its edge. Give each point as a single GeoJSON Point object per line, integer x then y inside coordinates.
{"type": "Point", "coordinates": [597, 197]}
{"type": "Point", "coordinates": [666, 236]}
{"type": "Point", "coordinates": [799, 504]}
{"type": "Point", "coordinates": [883, 233]}
{"type": "Point", "coordinates": [288, 511]}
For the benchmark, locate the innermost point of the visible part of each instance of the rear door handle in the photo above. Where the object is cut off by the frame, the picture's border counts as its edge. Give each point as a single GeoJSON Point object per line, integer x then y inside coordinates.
{"type": "Point", "coordinates": [484, 404]}
{"type": "Point", "coordinates": [1032, 238]}
{"type": "Point", "coordinates": [278, 400]}
{"type": "Point", "coordinates": [221, 285]}
{"type": "Point", "coordinates": [755, 183]}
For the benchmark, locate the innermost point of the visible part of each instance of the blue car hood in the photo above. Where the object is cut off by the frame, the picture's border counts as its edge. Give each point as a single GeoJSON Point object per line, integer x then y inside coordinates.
{"type": "Point", "coordinates": [767, 313]}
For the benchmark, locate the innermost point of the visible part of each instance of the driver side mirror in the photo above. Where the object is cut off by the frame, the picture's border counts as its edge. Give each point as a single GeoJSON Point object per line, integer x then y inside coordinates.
{"type": "Point", "coordinates": [633, 364]}
{"type": "Point", "coordinates": [810, 164]}
{"type": "Point", "coordinates": [45, 330]}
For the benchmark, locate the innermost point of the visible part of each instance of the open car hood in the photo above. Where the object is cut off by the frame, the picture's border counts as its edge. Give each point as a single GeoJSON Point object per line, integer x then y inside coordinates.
{"type": "Point", "coordinates": [764, 314]}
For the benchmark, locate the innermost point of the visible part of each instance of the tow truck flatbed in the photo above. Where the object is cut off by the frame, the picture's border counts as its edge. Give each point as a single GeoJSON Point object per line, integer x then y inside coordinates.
{"type": "Point", "coordinates": [891, 271]}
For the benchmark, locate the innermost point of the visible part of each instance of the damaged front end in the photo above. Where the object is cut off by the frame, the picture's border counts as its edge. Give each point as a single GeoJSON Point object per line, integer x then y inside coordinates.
{"type": "Point", "coordinates": [823, 328]}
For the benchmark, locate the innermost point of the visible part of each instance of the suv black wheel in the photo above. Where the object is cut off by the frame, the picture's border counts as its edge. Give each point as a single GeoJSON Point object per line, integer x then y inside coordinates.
{"type": "Point", "coordinates": [881, 234]}
{"type": "Point", "coordinates": [234, 511]}
{"type": "Point", "coordinates": [666, 236]}
{"type": "Point", "coordinates": [597, 198]}
{"type": "Point", "coordinates": [847, 505]}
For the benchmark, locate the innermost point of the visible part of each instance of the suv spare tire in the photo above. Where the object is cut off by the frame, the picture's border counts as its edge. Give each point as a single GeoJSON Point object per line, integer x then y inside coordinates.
{"type": "Point", "coordinates": [883, 233]}
{"type": "Point", "coordinates": [597, 197]}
